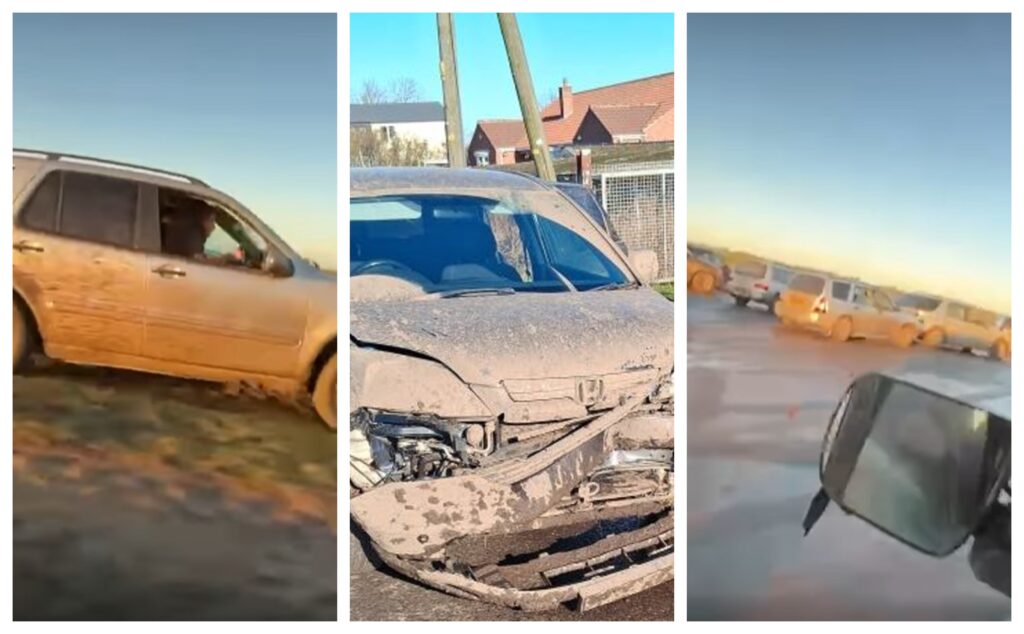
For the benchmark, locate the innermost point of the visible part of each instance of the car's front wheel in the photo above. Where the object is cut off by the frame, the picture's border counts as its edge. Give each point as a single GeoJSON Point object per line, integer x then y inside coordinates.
{"type": "Point", "coordinates": [934, 338]}
{"type": "Point", "coordinates": [842, 330]}
{"type": "Point", "coordinates": [703, 283]}
{"type": "Point", "coordinates": [325, 393]}
{"type": "Point", "coordinates": [1001, 350]}
{"type": "Point", "coordinates": [741, 301]}
{"type": "Point", "coordinates": [22, 343]}
{"type": "Point", "coordinates": [904, 336]}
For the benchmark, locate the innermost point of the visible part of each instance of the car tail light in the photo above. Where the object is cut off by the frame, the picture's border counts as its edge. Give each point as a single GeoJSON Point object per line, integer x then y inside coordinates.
{"type": "Point", "coordinates": [761, 286]}
{"type": "Point", "coordinates": [820, 305]}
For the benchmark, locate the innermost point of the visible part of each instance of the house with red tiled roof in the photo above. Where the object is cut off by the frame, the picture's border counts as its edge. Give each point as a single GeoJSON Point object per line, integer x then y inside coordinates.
{"type": "Point", "coordinates": [637, 111]}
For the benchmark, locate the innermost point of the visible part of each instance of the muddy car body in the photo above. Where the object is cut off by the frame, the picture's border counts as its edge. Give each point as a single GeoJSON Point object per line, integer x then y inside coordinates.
{"type": "Point", "coordinates": [511, 381]}
{"type": "Point", "coordinates": [758, 281]}
{"type": "Point", "coordinates": [95, 283]}
{"type": "Point", "coordinates": [843, 310]}
{"type": "Point", "coordinates": [949, 323]}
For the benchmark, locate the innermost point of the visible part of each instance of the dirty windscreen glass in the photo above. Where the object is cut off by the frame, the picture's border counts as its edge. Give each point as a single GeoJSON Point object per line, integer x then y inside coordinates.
{"type": "Point", "coordinates": [752, 269]}
{"type": "Point", "coordinates": [451, 243]}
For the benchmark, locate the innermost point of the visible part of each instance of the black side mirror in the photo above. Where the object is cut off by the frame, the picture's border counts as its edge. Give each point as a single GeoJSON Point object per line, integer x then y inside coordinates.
{"type": "Point", "coordinates": [921, 466]}
{"type": "Point", "coordinates": [275, 263]}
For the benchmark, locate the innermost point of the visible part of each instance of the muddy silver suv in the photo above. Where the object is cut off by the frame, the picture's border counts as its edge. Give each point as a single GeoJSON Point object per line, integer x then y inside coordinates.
{"type": "Point", "coordinates": [949, 323]}
{"type": "Point", "coordinates": [132, 267]}
{"type": "Point", "coordinates": [511, 387]}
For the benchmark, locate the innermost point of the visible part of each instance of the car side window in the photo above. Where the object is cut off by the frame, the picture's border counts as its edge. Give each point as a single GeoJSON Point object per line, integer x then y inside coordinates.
{"type": "Point", "coordinates": [957, 311]}
{"type": "Point", "coordinates": [195, 228]}
{"type": "Point", "coordinates": [860, 296]}
{"type": "Point", "coordinates": [840, 291]}
{"type": "Point", "coordinates": [40, 212]}
{"type": "Point", "coordinates": [99, 209]}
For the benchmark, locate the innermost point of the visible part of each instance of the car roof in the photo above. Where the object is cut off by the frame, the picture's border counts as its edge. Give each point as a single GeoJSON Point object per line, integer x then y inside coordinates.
{"type": "Point", "coordinates": [980, 383]}
{"type": "Point", "coordinates": [105, 166]}
{"type": "Point", "coordinates": [371, 179]}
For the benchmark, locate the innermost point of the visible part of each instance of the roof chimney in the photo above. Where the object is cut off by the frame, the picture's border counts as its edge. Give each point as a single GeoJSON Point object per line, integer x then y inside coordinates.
{"type": "Point", "coordinates": [565, 98]}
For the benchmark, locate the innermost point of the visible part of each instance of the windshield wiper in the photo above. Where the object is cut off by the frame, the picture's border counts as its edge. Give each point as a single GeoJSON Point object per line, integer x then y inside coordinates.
{"type": "Point", "coordinates": [615, 286]}
{"type": "Point", "coordinates": [463, 292]}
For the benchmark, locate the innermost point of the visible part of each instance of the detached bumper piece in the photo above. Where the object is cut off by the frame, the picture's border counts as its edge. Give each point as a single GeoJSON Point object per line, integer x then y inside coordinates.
{"type": "Point", "coordinates": [584, 578]}
{"type": "Point", "coordinates": [500, 534]}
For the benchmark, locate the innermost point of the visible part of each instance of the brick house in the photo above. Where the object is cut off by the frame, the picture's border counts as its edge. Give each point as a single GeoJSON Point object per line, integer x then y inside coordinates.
{"type": "Point", "coordinates": [637, 111]}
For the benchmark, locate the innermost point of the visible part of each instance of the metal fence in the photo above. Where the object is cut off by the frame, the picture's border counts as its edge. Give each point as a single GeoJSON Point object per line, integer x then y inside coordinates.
{"type": "Point", "coordinates": [640, 201]}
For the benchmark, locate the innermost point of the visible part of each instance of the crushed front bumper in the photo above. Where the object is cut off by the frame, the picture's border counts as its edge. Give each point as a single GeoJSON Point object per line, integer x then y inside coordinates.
{"type": "Point", "coordinates": [421, 528]}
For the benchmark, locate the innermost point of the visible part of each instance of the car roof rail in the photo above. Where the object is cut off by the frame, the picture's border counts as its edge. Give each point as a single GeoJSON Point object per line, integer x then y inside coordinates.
{"type": "Point", "coordinates": [91, 160]}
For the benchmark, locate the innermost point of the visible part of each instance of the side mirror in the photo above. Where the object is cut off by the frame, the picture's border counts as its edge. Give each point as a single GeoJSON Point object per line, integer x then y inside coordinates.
{"type": "Point", "coordinates": [645, 263]}
{"type": "Point", "coordinates": [277, 264]}
{"type": "Point", "coordinates": [920, 466]}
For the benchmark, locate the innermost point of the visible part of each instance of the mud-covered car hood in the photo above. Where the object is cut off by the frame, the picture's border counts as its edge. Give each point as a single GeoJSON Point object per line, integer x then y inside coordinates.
{"type": "Point", "coordinates": [486, 340]}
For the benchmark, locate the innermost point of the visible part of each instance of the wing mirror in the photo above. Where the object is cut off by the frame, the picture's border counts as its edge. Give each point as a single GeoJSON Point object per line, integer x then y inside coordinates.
{"type": "Point", "coordinates": [277, 264]}
{"type": "Point", "coordinates": [644, 263]}
{"type": "Point", "coordinates": [921, 466]}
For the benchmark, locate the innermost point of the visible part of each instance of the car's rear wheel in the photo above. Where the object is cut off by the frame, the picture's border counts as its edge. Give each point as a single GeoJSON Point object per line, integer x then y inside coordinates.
{"type": "Point", "coordinates": [703, 283]}
{"type": "Point", "coordinates": [1001, 349]}
{"type": "Point", "coordinates": [933, 338]}
{"type": "Point", "coordinates": [741, 301]}
{"type": "Point", "coordinates": [904, 336]}
{"type": "Point", "coordinates": [325, 394]}
{"type": "Point", "coordinates": [22, 342]}
{"type": "Point", "coordinates": [842, 329]}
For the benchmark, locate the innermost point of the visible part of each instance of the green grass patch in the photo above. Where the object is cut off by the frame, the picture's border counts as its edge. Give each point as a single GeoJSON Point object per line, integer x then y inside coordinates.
{"type": "Point", "coordinates": [668, 289]}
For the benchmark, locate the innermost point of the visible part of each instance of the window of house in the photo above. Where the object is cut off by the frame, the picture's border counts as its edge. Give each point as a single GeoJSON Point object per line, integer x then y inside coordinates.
{"type": "Point", "coordinates": [482, 158]}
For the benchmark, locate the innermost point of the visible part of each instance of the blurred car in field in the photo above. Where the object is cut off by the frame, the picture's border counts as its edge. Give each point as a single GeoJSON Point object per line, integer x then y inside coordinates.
{"type": "Point", "coordinates": [702, 276]}
{"type": "Point", "coordinates": [139, 268]}
{"type": "Point", "coordinates": [511, 374]}
{"type": "Point", "coordinates": [953, 324]}
{"type": "Point", "coordinates": [758, 281]}
{"type": "Point", "coordinates": [843, 310]}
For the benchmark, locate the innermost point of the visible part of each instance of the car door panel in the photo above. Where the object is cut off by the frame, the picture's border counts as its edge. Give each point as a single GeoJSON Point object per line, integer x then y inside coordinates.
{"type": "Point", "coordinates": [223, 317]}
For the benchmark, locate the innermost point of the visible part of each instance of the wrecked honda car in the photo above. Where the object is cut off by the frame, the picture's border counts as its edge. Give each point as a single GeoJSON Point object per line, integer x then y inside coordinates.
{"type": "Point", "coordinates": [511, 392]}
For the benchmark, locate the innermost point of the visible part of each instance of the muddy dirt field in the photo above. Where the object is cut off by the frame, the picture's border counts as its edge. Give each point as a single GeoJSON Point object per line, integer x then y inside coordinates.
{"type": "Point", "coordinates": [760, 397]}
{"type": "Point", "coordinates": [142, 497]}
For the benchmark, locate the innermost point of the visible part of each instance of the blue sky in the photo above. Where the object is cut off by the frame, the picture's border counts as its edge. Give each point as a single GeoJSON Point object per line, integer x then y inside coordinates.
{"type": "Point", "coordinates": [248, 103]}
{"type": "Point", "coordinates": [557, 46]}
{"type": "Point", "coordinates": [874, 145]}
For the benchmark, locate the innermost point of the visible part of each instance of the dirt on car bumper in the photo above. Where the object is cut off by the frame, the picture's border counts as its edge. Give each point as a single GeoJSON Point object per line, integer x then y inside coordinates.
{"type": "Point", "coordinates": [418, 527]}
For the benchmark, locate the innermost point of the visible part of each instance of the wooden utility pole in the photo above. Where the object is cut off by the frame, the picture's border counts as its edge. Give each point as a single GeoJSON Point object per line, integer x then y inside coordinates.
{"type": "Point", "coordinates": [527, 98]}
{"type": "Point", "coordinates": [450, 87]}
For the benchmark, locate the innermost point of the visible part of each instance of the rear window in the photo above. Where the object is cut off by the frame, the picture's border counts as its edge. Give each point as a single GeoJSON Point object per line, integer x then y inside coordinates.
{"type": "Point", "coordinates": [918, 302]}
{"type": "Point", "coordinates": [752, 269]}
{"type": "Point", "coordinates": [810, 284]}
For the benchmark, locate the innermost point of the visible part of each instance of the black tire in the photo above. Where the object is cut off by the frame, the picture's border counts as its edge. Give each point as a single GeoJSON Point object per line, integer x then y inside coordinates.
{"type": "Point", "coordinates": [325, 394]}
{"type": "Point", "coordinates": [741, 301]}
{"type": "Point", "coordinates": [22, 342]}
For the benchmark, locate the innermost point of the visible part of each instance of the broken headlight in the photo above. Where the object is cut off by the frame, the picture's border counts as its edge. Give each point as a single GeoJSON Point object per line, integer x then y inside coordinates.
{"type": "Point", "coordinates": [387, 446]}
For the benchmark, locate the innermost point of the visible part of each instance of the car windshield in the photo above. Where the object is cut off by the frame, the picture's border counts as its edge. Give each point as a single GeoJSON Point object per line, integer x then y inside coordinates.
{"type": "Point", "coordinates": [918, 302]}
{"type": "Point", "coordinates": [450, 244]}
{"type": "Point", "coordinates": [810, 284]}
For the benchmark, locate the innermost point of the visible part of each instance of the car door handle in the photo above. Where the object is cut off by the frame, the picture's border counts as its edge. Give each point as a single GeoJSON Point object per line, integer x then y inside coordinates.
{"type": "Point", "coordinates": [23, 246]}
{"type": "Point", "coordinates": [169, 271]}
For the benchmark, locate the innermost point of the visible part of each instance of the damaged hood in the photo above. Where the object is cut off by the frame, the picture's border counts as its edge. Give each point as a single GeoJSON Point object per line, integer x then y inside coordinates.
{"type": "Point", "coordinates": [486, 340]}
